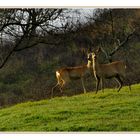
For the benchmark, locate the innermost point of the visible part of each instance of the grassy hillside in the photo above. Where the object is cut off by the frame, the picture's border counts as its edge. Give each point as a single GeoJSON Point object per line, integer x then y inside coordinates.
{"type": "Point", "coordinates": [109, 111]}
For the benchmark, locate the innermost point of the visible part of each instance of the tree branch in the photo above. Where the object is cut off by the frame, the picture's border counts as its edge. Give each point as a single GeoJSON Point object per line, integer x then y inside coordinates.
{"type": "Point", "coordinates": [34, 44]}
{"type": "Point", "coordinates": [121, 44]}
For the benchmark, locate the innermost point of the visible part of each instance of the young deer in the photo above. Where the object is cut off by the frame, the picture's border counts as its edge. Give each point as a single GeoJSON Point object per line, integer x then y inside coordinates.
{"type": "Point", "coordinates": [115, 70]}
{"type": "Point", "coordinates": [65, 75]}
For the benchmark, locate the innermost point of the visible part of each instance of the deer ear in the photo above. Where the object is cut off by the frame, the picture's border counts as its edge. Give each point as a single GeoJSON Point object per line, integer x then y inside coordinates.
{"type": "Point", "coordinates": [90, 49]}
{"type": "Point", "coordinates": [98, 50]}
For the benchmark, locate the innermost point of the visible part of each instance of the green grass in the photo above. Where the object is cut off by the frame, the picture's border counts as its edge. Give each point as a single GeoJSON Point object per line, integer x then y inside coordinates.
{"type": "Point", "coordinates": [108, 111]}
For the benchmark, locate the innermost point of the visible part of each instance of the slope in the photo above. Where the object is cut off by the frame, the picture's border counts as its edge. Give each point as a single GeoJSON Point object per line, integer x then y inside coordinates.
{"type": "Point", "coordinates": [108, 111]}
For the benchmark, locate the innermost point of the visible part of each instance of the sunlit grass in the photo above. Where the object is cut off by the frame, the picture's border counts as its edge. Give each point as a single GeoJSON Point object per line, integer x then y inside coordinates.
{"type": "Point", "coordinates": [108, 111]}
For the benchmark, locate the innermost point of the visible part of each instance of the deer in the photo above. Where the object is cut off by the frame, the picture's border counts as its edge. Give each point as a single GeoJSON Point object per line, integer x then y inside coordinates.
{"type": "Point", "coordinates": [114, 69]}
{"type": "Point", "coordinates": [67, 74]}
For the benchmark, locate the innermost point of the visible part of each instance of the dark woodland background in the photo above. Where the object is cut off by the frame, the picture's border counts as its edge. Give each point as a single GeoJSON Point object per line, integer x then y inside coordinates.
{"type": "Point", "coordinates": [34, 43]}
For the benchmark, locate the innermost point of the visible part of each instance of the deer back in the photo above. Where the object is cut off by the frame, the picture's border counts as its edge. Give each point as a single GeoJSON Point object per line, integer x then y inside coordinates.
{"type": "Point", "coordinates": [112, 69]}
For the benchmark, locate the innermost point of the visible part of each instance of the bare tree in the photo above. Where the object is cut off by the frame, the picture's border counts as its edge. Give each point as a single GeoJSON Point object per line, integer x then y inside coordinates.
{"type": "Point", "coordinates": [112, 29]}
{"type": "Point", "coordinates": [25, 28]}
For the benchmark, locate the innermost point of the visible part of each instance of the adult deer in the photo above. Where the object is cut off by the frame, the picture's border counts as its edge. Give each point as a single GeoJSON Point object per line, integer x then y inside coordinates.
{"type": "Point", "coordinates": [67, 74]}
{"type": "Point", "coordinates": [115, 70]}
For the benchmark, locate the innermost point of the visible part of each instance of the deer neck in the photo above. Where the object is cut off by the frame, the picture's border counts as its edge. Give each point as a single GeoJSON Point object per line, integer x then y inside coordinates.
{"type": "Point", "coordinates": [96, 67]}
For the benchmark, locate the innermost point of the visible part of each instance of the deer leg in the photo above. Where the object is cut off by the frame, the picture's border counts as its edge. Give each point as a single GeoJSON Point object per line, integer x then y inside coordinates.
{"type": "Point", "coordinates": [128, 83]}
{"type": "Point", "coordinates": [60, 88]}
{"type": "Point", "coordinates": [97, 84]}
{"type": "Point", "coordinates": [54, 88]}
{"type": "Point", "coordinates": [120, 82]}
{"type": "Point", "coordinates": [83, 85]}
{"type": "Point", "coordinates": [62, 85]}
{"type": "Point", "coordinates": [116, 86]}
{"type": "Point", "coordinates": [102, 85]}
